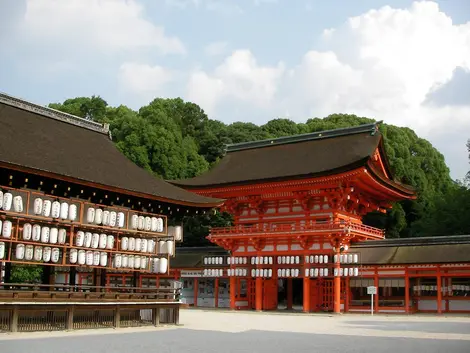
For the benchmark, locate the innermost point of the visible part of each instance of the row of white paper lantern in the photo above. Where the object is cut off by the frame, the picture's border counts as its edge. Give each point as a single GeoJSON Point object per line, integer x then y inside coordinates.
{"type": "Point", "coordinates": [316, 272]}
{"type": "Point", "coordinates": [262, 260]}
{"type": "Point", "coordinates": [237, 260]}
{"type": "Point", "coordinates": [213, 272]}
{"type": "Point", "coordinates": [262, 272]}
{"type": "Point", "coordinates": [44, 234]}
{"type": "Point", "coordinates": [214, 261]}
{"type": "Point", "coordinates": [37, 253]}
{"type": "Point", "coordinates": [148, 224]}
{"type": "Point", "coordinates": [159, 265]}
{"type": "Point", "coordinates": [88, 257]}
{"type": "Point", "coordinates": [347, 258]}
{"type": "Point", "coordinates": [237, 272]}
{"type": "Point", "coordinates": [7, 201]}
{"type": "Point", "coordinates": [6, 229]}
{"type": "Point", "coordinates": [316, 259]}
{"type": "Point", "coordinates": [444, 289]}
{"type": "Point", "coordinates": [288, 260]}
{"type": "Point", "coordinates": [55, 209]}
{"type": "Point", "coordinates": [351, 271]}
{"type": "Point", "coordinates": [130, 261]}
{"type": "Point", "coordinates": [2, 250]}
{"type": "Point", "coordinates": [288, 272]}
{"type": "Point", "coordinates": [107, 218]}
{"type": "Point", "coordinates": [94, 240]}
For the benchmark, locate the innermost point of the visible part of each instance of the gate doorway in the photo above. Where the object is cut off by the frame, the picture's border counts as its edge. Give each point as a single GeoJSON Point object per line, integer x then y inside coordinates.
{"type": "Point", "coordinates": [290, 294]}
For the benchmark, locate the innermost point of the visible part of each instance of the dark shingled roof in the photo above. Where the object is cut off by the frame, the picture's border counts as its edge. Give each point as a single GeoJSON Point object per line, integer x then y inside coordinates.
{"type": "Point", "coordinates": [44, 140]}
{"type": "Point", "coordinates": [426, 250]}
{"type": "Point", "coordinates": [307, 155]}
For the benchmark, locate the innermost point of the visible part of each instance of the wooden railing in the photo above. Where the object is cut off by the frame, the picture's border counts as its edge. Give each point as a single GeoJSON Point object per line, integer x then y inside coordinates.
{"type": "Point", "coordinates": [38, 307]}
{"type": "Point", "coordinates": [283, 229]}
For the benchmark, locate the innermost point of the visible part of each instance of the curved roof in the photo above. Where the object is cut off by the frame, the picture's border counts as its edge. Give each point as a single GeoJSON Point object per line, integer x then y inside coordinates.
{"type": "Point", "coordinates": [62, 145]}
{"type": "Point", "coordinates": [294, 157]}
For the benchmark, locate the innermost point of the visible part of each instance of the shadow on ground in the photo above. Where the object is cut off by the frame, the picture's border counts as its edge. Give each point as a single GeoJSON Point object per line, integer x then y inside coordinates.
{"type": "Point", "coordinates": [417, 326]}
{"type": "Point", "coordinates": [195, 341]}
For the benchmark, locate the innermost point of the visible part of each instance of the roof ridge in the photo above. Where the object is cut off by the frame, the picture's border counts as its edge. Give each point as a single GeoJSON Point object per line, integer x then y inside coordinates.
{"type": "Point", "coordinates": [415, 241]}
{"type": "Point", "coordinates": [54, 114]}
{"type": "Point", "coordinates": [317, 135]}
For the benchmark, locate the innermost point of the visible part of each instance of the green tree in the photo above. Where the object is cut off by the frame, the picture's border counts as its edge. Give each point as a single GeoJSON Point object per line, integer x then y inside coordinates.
{"type": "Point", "coordinates": [25, 274]}
{"type": "Point", "coordinates": [284, 127]}
{"type": "Point", "coordinates": [93, 108]}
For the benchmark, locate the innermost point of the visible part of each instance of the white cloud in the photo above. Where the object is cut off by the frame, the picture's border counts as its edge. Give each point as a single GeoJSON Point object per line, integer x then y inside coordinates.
{"type": "Point", "coordinates": [227, 7]}
{"type": "Point", "coordinates": [216, 48]}
{"type": "Point", "coordinates": [382, 64]}
{"type": "Point", "coordinates": [239, 77]}
{"type": "Point", "coordinates": [143, 78]}
{"type": "Point", "coordinates": [99, 25]}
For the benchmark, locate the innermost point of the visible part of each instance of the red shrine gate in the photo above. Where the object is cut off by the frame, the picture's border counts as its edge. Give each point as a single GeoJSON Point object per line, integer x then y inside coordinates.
{"type": "Point", "coordinates": [298, 203]}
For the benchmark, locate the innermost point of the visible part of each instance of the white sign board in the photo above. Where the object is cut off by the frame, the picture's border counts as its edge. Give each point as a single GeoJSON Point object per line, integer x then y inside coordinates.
{"type": "Point", "coordinates": [187, 274]}
{"type": "Point", "coordinates": [371, 290]}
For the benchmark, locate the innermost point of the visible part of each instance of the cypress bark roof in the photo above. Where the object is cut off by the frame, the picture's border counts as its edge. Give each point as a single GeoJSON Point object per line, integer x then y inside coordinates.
{"type": "Point", "coordinates": [308, 155]}
{"type": "Point", "coordinates": [45, 140]}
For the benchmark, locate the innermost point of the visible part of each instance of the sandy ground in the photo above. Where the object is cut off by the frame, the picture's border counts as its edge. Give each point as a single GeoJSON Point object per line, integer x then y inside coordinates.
{"type": "Point", "coordinates": [224, 331]}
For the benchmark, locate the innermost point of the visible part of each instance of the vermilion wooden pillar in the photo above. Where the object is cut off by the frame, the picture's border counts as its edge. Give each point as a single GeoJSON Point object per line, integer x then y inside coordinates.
{"type": "Point", "coordinates": [232, 290]}
{"type": "Point", "coordinates": [289, 294]}
{"type": "Point", "coordinates": [196, 288]}
{"type": "Point", "coordinates": [337, 285]}
{"type": "Point", "coordinates": [306, 295]}
{"type": "Point", "coordinates": [407, 292]}
{"type": "Point", "coordinates": [259, 294]}
{"type": "Point", "coordinates": [439, 292]}
{"type": "Point", "coordinates": [216, 293]}
{"type": "Point", "coordinates": [376, 284]}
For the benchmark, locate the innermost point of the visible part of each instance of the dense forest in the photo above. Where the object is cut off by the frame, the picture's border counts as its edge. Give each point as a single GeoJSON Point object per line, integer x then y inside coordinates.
{"type": "Point", "coordinates": [175, 139]}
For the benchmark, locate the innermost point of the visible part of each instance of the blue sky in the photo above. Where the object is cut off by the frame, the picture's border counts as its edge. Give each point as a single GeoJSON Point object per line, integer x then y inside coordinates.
{"type": "Point", "coordinates": [403, 62]}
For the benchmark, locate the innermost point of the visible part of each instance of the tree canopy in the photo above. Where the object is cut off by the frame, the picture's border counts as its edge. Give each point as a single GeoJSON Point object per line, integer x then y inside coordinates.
{"type": "Point", "coordinates": [175, 139]}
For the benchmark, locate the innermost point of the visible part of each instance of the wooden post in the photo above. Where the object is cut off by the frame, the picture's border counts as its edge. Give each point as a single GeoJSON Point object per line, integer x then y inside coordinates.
{"type": "Point", "coordinates": [306, 307]}
{"type": "Point", "coordinates": [177, 314]}
{"type": "Point", "coordinates": [337, 284]}
{"type": "Point", "coordinates": [14, 319]}
{"type": "Point", "coordinates": [117, 317]}
{"type": "Point", "coordinates": [232, 290]}
{"type": "Point", "coordinates": [156, 316]}
{"type": "Point", "coordinates": [216, 293]}
{"type": "Point", "coordinates": [376, 284]}
{"type": "Point", "coordinates": [259, 294]}
{"type": "Point", "coordinates": [196, 285]}
{"type": "Point", "coordinates": [69, 323]}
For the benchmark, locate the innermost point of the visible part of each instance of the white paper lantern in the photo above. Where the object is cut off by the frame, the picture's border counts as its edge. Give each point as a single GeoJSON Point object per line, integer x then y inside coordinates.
{"type": "Point", "coordinates": [335, 258]}
{"type": "Point", "coordinates": [125, 261]}
{"type": "Point", "coordinates": [130, 262]}
{"type": "Point", "coordinates": [73, 211]}
{"type": "Point", "coordinates": [312, 272]}
{"type": "Point", "coordinates": [163, 265]}
{"type": "Point", "coordinates": [46, 208]}
{"type": "Point", "coordinates": [105, 218]}
{"type": "Point", "coordinates": [98, 219]}
{"type": "Point", "coordinates": [316, 258]}
{"type": "Point", "coordinates": [287, 259]}
{"type": "Point", "coordinates": [62, 236]}
{"type": "Point", "coordinates": [148, 224]}
{"type": "Point", "coordinates": [27, 231]}
{"type": "Point", "coordinates": [20, 251]}
{"type": "Point", "coordinates": [283, 272]}
{"type": "Point", "coordinates": [120, 219]}
{"type": "Point", "coordinates": [38, 253]}
{"type": "Point", "coordinates": [124, 243]}
{"type": "Point", "coordinates": [134, 221]}
{"type": "Point", "coordinates": [161, 225]}
{"type": "Point", "coordinates": [321, 272]}
{"type": "Point", "coordinates": [88, 257]}
{"type": "Point", "coordinates": [170, 245]}
{"type": "Point", "coordinates": [103, 240]}
{"type": "Point", "coordinates": [36, 232]}
{"type": "Point", "coordinates": [1, 199]}
{"type": "Point", "coordinates": [154, 224]}
{"type": "Point", "coordinates": [341, 258]}
{"type": "Point", "coordinates": [90, 215]}
{"type": "Point", "coordinates": [79, 238]}
{"type": "Point", "coordinates": [335, 272]}
{"type": "Point", "coordinates": [55, 255]}
{"type": "Point", "coordinates": [297, 259]}
{"type": "Point", "coordinates": [53, 235]}
{"type": "Point", "coordinates": [292, 260]}
{"type": "Point", "coordinates": [37, 206]}
{"type": "Point", "coordinates": [143, 263]}
{"type": "Point", "coordinates": [297, 272]}
{"type": "Point", "coordinates": [350, 258]}
{"type": "Point", "coordinates": [2, 250]}
{"type": "Point", "coordinates": [325, 259]}
{"type": "Point", "coordinates": [265, 272]}
{"type": "Point", "coordinates": [278, 260]}
{"type": "Point", "coordinates": [141, 223]}
{"type": "Point", "coordinates": [312, 259]}
{"type": "Point", "coordinates": [131, 244]}
{"type": "Point", "coordinates": [7, 201]}
{"type": "Point", "coordinates": [137, 260]}
{"type": "Point", "coordinates": [110, 242]}
{"type": "Point", "coordinates": [95, 240]}
{"type": "Point", "coordinates": [270, 272]}
{"type": "Point", "coordinates": [355, 258]}
{"type": "Point", "coordinates": [307, 259]}
{"type": "Point", "coordinates": [356, 271]}
{"type": "Point", "coordinates": [104, 259]}
{"type": "Point", "coordinates": [88, 240]}
{"type": "Point", "coordinates": [29, 252]}
{"type": "Point", "coordinates": [351, 272]}
{"type": "Point", "coordinates": [55, 209]}
{"type": "Point", "coordinates": [46, 254]}
{"type": "Point", "coordinates": [64, 210]}
{"type": "Point", "coordinates": [6, 229]}
{"type": "Point", "coordinates": [118, 261]}
{"type": "Point", "coordinates": [45, 232]}
{"type": "Point", "coordinates": [151, 246]}
{"type": "Point", "coordinates": [112, 218]}
{"type": "Point", "coordinates": [279, 272]}
{"type": "Point", "coordinates": [18, 204]}
{"type": "Point", "coordinates": [325, 272]}
{"type": "Point", "coordinates": [138, 244]}
{"type": "Point", "coordinates": [341, 272]}
{"type": "Point", "coordinates": [162, 247]}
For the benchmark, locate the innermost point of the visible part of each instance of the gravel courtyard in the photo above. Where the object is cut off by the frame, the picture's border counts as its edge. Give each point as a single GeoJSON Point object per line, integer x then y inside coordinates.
{"type": "Point", "coordinates": [221, 331]}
